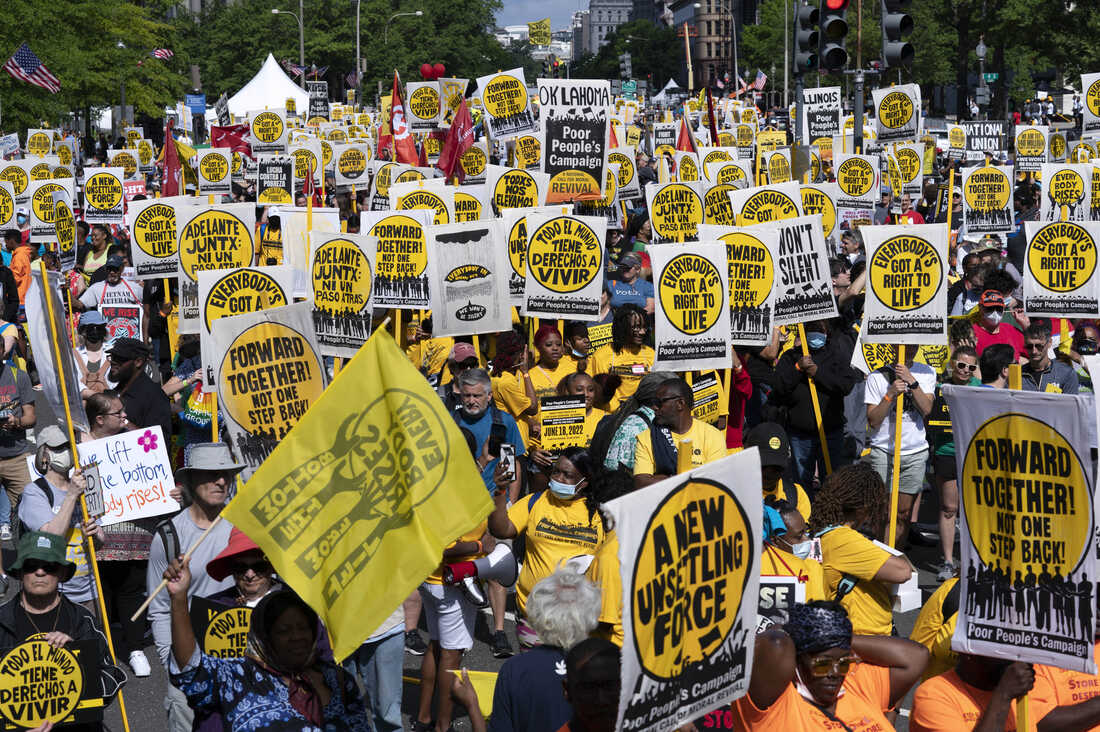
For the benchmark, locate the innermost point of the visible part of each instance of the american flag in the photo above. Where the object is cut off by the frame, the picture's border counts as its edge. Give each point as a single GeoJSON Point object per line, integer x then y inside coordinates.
{"type": "Point", "coordinates": [25, 66]}
{"type": "Point", "coordinates": [316, 73]}
{"type": "Point", "coordinates": [162, 53]}
{"type": "Point", "coordinates": [350, 81]}
{"type": "Point", "coordinates": [293, 68]}
{"type": "Point", "coordinates": [760, 80]}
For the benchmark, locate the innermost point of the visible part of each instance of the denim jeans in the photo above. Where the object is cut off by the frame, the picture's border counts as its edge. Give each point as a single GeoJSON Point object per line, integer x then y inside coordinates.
{"type": "Point", "coordinates": [378, 665]}
{"type": "Point", "coordinates": [806, 456]}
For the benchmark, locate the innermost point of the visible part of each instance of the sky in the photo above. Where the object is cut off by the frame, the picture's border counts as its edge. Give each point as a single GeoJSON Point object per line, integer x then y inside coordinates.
{"type": "Point", "coordinates": [514, 12]}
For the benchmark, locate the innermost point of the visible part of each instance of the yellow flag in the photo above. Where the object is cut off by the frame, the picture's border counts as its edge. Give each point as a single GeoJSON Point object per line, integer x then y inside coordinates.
{"type": "Point", "coordinates": [356, 505]}
{"type": "Point", "coordinates": [538, 32]}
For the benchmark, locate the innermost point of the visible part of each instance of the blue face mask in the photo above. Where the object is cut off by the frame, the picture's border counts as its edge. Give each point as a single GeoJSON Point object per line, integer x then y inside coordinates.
{"type": "Point", "coordinates": [802, 549]}
{"type": "Point", "coordinates": [563, 490]}
{"type": "Point", "coordinates": [816, 341]}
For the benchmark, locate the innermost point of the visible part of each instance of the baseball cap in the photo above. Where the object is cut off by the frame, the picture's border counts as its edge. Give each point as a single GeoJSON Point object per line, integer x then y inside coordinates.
{"type": "Point", "coordinates": [992, 299]}
{"type": "Point", "coordinates": [115, 262]}
{"type": "Point", "coordinates": [127, 349]}
{"type": "Point", "coordinates": [885, 190]}
{"type": "Point", "coordinates": [462, 351]}
{"type": "Point", "coordinates": [772, 441]}
{"type": "Point", "coordinates": [91, 317]}
{"type": "Point", "coordinates": [630, 260]}
{"type": "Point", "coordinates": [52, 436]}
{"type": "Point", "coordinates": [21, 211]}
{"type": "Point", "coordinates": [958, 191]}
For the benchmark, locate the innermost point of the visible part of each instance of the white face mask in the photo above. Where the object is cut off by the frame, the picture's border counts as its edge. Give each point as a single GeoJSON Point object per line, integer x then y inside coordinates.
{"type": "Point", "coordinates": [60, 461]}
{"type": "Point", "coordinates": [993, 317]}
{"type": "Point", "coordinates": [563, 490]}
{"type": "Point", "coordinates": [802, 549]}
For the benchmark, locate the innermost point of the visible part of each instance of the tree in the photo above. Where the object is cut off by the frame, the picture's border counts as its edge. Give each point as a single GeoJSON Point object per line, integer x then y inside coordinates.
{"type": "Point", "coordinates": [655, 54]}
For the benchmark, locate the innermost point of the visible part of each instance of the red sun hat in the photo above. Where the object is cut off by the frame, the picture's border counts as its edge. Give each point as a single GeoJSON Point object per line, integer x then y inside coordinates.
{"type": "Point", "coordinates": [221, 566]}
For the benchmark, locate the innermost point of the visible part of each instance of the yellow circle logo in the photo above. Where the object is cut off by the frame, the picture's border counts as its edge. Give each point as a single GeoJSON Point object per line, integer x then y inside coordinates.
{"type": "Point", "coordinates": [245, 380]}
{"type": "Point", "coordinates": [610, 189]}
{"type": "Point", "coordinates": [336, 135]}
{"type": "Point", "coordinates": [895, 110]}
{"type": "Point", "coordinates": [1057, 145]}
{"type": "Point", "coordinates": [238, 163]}
{"type": "Point", "coordinates": [564, 255]}
{"type": "Point", "coordinates": [1083, 152]}
{"type": "Point", "coordinates": [64, 226]}
{"type": "Point", "coordinates": [467, 207]}
{"type": "Point", "coordinates": [17, 176]}
{"type": "Point", "coordinates": [689, 288]}
{"type": "Point", "coordinates": [341, 278]}
{"type": "Point", "coordinates": [227, 634]}
{"type": "Point", "coordinates": [816, 201]}
{"type": "Point", "coordinates": [214, 167]}
{"type": "Point", "coordinates": [274, 194]}
{"type": "Point", "coordinates": [727, 139]}
{"type": "Point", "coordinates": [352, 163]}
{"type": "Point", "coordinates": [268, 127]}
{"type": "Point", "coordinates": [717, 156]}
{"type": "Point", "coordinates": [779, 170]}
{"type": "Point", "coordinates": [303, 158]}
{"type": "Point", "coordinates": [7, 205]}
{"type": "Point", "coordinates": [528, 151]}
{"type": "Point", "coordinates": [687, 585]}
{"type": "Point", "coordinates": [1066, 188]}
{"type": "Point", "coordinates": [401, 252]}
{"type": "Point", "coordinates": [42, 202]}
{"type": "Point", "coordinates": [39, 684]}
{"type": "Point", "coordinates": [1062, 256]}
{"type": "Point", "coordinates": [424, 103]}
{"type": "Point", "coordinates": [425, 199]}
{"type": "Point", "coordinates": [241, 292]}
{"type": "Point", "coordinates": [145, 152]}
{"type": "Point", "coordinates": [775, 443]}
{"type": "Point", "coordinates": [39, 144]}
{"type": "Point", "coordinates": [61, 172]}
{"type": "Point", "coordinates": [1042, 528]}
{"type": "Point", "coordinates": [64, 155]}
{"type": "Point", "coordinates": [987, 189]}
{"type": "Point", "coordinates": [517, 247]}
{"type": "Point", "coordinates": [765, 206]}
{"type": "Point", "coordinates": [1092, 98]}
{"type": "Point", "coordinates": [127, 162]}
{"type": "Point", "coordinates": [214, 239]}
{"type": "Point", "coordinates": [1030, 143]}
{"type": "Point", "coordinates": [473, 162]}
{"type": "Point", "coordinates": [409, 176]}
{"type": "Point", "coordinates": [626, 167]}
{"type": "Point", "coordinates": [751, 270]}
{"type": "Point", "coordinates": [103, 192]}
{"type": "Point", "coordinates": [382, 179]}
{"type": "Point", "coordinates": [731, 173]}
{"type": "Point", "coordinates": [909, 164]}
{"type": "Point", "coordinates": [856, 177]}
{"type": "Point", "coordinates": [688, 171]}
{"type": "Point", "coordinates": [515, 189]}
{"type": "Point", "coordinates": [717, 208]}
{"type": "Point", "coordinates": [676, 211]}
{"type": "Point", "coordinates": [326, 153]}
{"type": "Point", "coordinates": [504, 96]}
{"type": "Point", "coordinates": [956, 138]}
{"type": "Point", "coordinates": [905, 273]}
{"type": "Point", "coordinates": [41, 171]}
{"type": "Point", "coordinates": [745, 135]}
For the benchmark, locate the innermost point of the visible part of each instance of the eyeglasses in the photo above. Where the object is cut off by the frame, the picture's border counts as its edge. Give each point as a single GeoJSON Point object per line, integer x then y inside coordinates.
{"type": "Point", "coordinates": [962, 366]}
{"type": "Point", "coordinates": [261, 567]}
{"type": "Point", "coordinates": [119, 413]}
{"type": "Point", "coordinates": [33, 565]}
{"type": "Point", "coordinates": [1035, 346]}
{"type": "Point", "coordinates": [826, 666]}
{"type": "Point", "coordinates": [668, 399]}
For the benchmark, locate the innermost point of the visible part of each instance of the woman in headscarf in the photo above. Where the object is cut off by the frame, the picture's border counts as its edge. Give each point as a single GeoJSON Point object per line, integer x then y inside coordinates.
{"type": "Point", "coordinates": [280, 684]}
{"type": "Point", "coordinates": [815, 675]}
{"type": "Point", "coordinates": [634, 416]}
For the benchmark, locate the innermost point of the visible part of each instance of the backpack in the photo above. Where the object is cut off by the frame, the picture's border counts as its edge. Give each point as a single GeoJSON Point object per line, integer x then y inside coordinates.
{"type": "Point", "coordinates": [45, 487]}
{"type": "Point", "coordinates": [169, 539]}
{"type": "Point", "coordinates": [664, 450]}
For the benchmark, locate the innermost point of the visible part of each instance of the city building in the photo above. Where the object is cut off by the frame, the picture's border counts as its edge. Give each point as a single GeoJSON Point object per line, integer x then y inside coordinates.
{"type": "Point", "coordinates": [604, 16]}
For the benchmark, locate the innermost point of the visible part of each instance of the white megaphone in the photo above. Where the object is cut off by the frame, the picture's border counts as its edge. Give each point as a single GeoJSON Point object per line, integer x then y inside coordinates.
{"type": "Point", "coordinates": [499, 565]}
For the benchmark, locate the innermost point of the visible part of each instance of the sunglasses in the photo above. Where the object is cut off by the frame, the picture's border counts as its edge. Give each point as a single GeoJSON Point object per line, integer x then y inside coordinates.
{"type": "Point", "coordinates": [961, 366]}
{"type": "Point", "coordinates": [33, 565]}
{"type": "Point", "coordinates": [995, 309]}
{"type": "Point", "coordinates": [826, 666]}
{"type": "Point", "coordinates": [667, 399]}
{"type": "Point", "coordinates": [1035, 346]}
{"type": "Point", "coordinates": [259, 567]}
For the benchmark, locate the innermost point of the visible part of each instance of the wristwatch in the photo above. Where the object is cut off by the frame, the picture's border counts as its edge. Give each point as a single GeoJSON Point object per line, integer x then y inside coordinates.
{"type": "Point", "coordinates": [914, 384]}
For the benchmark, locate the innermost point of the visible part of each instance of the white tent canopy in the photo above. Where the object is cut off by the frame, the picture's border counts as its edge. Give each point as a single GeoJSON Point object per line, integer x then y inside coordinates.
{"type": "Point", "coordinates": [268, 89]}
{"type": "Point", "coordinates": [670, 88]}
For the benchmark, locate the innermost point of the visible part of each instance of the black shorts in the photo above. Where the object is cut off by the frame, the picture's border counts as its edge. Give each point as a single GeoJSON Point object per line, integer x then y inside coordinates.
{"type": "Point", "coordinates": [943, 466]}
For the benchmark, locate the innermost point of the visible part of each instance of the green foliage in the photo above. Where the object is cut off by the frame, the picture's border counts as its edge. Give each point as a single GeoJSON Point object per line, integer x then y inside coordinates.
{"type": "Point", "coordinates": [653, 50]}
{"type": "Point", "coordinates": [77, 41]}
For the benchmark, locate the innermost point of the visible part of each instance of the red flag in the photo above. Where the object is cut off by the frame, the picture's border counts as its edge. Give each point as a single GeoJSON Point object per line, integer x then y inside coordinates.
{"type": "Point", "coordinates": [404, 148]}
{"type": "Point", "coordinates": [234, 137]}
{"type": "Point", "coordinates": [170, 182]}
{"type": "Point", "coordinates": [613, 139]}
{"type": "Point", "coordinates": [309, 189]}
{"type": "Point", "coordinates": [685, 141]}
{"type": "Point", "coordinates": [422, 158]}
{"type": "Point", "coordinates": [460, 138]}
{"type": "Point", "coordinates": [710, 116]}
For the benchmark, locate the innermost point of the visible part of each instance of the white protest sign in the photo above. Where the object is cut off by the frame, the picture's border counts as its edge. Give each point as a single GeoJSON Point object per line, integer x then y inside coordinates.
{"type": "Point", "coordinates": [135, 474]}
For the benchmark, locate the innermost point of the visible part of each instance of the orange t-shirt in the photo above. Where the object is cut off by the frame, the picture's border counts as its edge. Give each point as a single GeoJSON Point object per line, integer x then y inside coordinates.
{"type": "Point", "coordinates": [1070, 687]}
{"type": "Point", "coordinates": [946, 703]}
{"type": "Point", "coordinates": [862, 706]}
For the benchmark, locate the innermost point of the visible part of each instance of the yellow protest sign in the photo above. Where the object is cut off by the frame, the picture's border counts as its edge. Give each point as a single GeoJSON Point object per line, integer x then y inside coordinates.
{"type": "Point", "coordinates": [708, 394]}
{"type": "Point", "coordinates": [987, 199]}
{"type": "Point", "coordinates": [1060, 277]}
{"type": "Point", "coordinates": [153, 231]}
{"type": "Point", "coordinates": [538, 32]}
{"type": "Point", "coordinates": [39, 683]}
{"type": "Point", "coordinates": [221, 630]}
{"type": "Point", "coordinates": [356, 505]}
{"type": "Point", "coordinates": [675, 211]}
{"type": "Point", "coordinates": [598, 336]}
{"type": "Point", "coordinates": [562, 422]}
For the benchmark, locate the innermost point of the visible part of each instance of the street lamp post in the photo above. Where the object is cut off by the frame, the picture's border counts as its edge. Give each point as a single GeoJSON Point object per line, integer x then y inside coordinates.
{"type": "Point", "coordinates": [301, 40]}
{"type": "Point", "coordinates": [980, 51]}
{"type": "Point", "coordinates": [386, 33]}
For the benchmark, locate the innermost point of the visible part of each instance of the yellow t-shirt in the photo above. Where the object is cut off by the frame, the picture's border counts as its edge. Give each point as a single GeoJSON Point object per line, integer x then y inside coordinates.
{"type": "Point", "coordinates": [556, 530]}
{"type": "Point", "coordinates": [929, 631]}
{"type": "Point", "coordinates": [591, 419]}
{"type": "Point", "coordinates": [802, 500]}
{"type": "Point", "coordinates": [546, 380]}
{"type": "Point", "coordinates": [430, 356]}
{"type": "Point", "coordinates": [774, 561]}
{"type": "Point", "coordinates": [707, 445]}
{"type": "Point", "coordinates": [509, 395]}
{"type": "Point", "coordinates": [606, 573]}
{"type": "Point", "coordinates": [436, 577]}
{"type": "Point", "coordinates": [869, 604]}
{"type": "Point", "coordinates": [630, 366]}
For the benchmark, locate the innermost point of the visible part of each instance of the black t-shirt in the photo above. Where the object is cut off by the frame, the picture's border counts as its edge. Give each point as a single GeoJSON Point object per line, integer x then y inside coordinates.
{"type": "Point", "coordinates": [146, 405]}
{"type": "Point", "coordinates": [27, 625]}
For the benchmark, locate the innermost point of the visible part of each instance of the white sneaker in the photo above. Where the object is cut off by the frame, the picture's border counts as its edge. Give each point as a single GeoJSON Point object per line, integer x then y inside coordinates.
{"type": "Point", "coordinates": [140, 664]}
{"type": "Point", "coordinates": [5, 532]}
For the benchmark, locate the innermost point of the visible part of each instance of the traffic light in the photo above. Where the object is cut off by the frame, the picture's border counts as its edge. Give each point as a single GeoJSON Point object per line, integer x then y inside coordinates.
{"type": "Point", "coordinates": [834, 30]}
{"type": "Point", "coordinates": [806, 38]}
{"type": "Point", "coordinates": [557, 69]}
{"type": "Point", "coordinates": [547, 66]}
{"type": "Point", "coordinates": [896, 24]}
{"type": "Point", "coordinates": [625, 71]}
